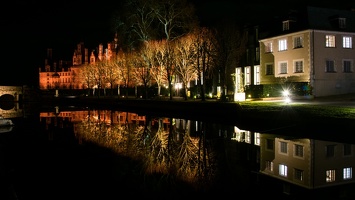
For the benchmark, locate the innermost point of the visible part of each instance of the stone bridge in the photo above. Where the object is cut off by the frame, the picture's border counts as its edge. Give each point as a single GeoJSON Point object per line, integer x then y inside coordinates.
{"type": "Point", "coordinates": [9, 101]}
{"type": "Point", "coordinates": [11, 93]}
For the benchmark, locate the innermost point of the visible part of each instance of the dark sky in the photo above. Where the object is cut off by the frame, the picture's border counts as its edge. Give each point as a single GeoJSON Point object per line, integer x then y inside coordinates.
{"type": "Point", "coordinates": [29, 27]}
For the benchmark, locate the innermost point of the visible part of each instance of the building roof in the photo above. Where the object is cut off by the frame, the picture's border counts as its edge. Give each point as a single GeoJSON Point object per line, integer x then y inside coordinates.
{"type": "Point", "coordinates": [315, 18]}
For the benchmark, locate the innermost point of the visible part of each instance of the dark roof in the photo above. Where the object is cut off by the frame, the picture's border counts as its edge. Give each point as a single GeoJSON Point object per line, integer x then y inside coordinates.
{"type": "Point", "coordinates": [309, 18]}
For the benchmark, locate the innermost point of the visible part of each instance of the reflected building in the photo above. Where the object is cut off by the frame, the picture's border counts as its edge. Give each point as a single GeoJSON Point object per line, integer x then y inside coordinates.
{"type": "Point", "coordinates": [305, 163]}
{"type": "Point", "coordinates": [308, 163]}
{"type": "Point", "coordinates": [296, 164]}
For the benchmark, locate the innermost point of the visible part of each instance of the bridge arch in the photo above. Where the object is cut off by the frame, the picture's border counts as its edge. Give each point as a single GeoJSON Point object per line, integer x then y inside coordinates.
{"type": "Point", "coordinates": [15, 91]}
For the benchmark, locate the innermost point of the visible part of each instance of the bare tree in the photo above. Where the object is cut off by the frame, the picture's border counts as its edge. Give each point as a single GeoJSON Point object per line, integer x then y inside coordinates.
{"type": "Point", "coordinates": [206, 52]}
{"type": "Point", "coordinates": [161, 72]}
{"type": "Point", "coordinates": [119, 64]}
{"type": "Point", "coordinates": [184, 61]}
{"type": "Point", "coordinates": [135, 23]}
{"type": "Point", "coordinates": [231, 45]}
{"type": "Point", "coordinates": [87, 73]}
{"type": "Point", "coordinates": [176, 17]}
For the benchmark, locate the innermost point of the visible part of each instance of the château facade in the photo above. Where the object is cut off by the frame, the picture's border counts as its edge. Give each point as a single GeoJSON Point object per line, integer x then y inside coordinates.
{"type": "Point", "coordinates": [67, 74]}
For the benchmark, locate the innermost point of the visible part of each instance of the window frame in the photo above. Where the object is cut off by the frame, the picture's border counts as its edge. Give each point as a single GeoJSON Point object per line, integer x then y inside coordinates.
{"type": "Point", "coordinates": [298, 41]}
{"type": "Point", "coordinates": [330, 41]}
{"type": "Point", "coordinates": [269, 69]}
{"type": "Point", "coordinates": [347, 68]}
{"type": "Point", "coordinates": [282, 44]}
{"type": "Point", "coordinates": [347, 42]}
{"type": "Point", "coordinates": [268, 47]}
{"type": "Point", "coordinates": [281, 67]}
{"type": "Point", "coordinates": [295, 66]}
{"type": "Point", "coordinates": [330, 68]}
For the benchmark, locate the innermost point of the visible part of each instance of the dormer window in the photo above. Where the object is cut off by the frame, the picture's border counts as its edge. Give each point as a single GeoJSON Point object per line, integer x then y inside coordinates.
{"type": "Point", "coordinates": [342, 22]}
{"type": "Point", "coordinates": [286, 25]}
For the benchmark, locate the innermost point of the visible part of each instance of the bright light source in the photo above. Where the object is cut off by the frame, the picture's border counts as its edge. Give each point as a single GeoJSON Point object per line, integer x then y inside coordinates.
{"type": "Point", "coordinates": [286, 93]}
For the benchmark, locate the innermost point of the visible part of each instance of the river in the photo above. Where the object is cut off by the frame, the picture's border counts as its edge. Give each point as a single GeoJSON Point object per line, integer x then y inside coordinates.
{"type": "Point", "coordinates": [64, 152]}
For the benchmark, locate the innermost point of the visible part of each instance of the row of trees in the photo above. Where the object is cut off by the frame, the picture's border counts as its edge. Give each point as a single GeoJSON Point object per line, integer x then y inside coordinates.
{"type": "Point", "coordinates": [161, 43]}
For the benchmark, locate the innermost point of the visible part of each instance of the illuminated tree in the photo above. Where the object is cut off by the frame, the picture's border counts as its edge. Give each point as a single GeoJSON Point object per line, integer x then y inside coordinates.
{"type": "Point", "coordinates": [161, 55]}
{"type": "Point", "coordinates": [87, 76]}
{"type": "Point", "coordinates": [176, 18]}
{"type": "Point", "coordinates": [184, 61]}
{"type": "Point", "coordinates": [144, 62]}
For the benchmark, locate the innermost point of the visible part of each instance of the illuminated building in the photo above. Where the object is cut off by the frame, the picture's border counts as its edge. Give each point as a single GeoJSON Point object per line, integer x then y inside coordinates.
{"type": "Point", "coordinates": [310, 50]}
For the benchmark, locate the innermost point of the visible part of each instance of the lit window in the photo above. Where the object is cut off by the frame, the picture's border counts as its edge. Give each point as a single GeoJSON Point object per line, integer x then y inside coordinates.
{"type": "Point", "coordinates": [330, 175]}
{"type": "Point", "coordinates": [347, 66]}
{"type": "Point", "coordinates": [330, 66]}
{"type": "Point", "coordinates": [269, 166]}
{"type": "Point", "coordinates": [347, 173]}
{"type": "Point", "coordinates": [282, 45]}
{"type": "Point", "coordinates": [269, 69]}
{"type": "Point", "coordinates": [257, 139]}
{"type": "Point", "coordinates": [347, 42]}
{"type": "Point", "coordinates": [247, 137]}
{"type": "Point", "coordinates": [283, 68]}
{"type": "Point", "coordinates": [298, 66]}
{"type": "Point", "coordinates": [299, 174]}
{"type": "Point", "coordinates": [297, 42]}
{"type": "Point", "coordinates": [283, 147]}
{"type": "Point", "coordinates": [283, 170]}
{"type": "Point", "coordinates": [256, 75]}
{"type": "Point", "coordinates": [247, 76]}
{"type": "Point", "coordinates": [268, 47]}
{"type": "Point", "coordinates": [330, 41]}
{"type": "Point", "coordinates": [298, 150]}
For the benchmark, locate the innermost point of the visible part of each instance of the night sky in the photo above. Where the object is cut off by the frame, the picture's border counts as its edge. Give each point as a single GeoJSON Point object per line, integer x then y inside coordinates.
{"type": "Point", "coordinates": [28, 28]}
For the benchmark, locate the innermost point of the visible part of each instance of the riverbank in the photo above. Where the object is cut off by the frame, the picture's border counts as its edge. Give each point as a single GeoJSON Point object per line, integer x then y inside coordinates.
{"type": "Point", "coordinates": [306, 117]}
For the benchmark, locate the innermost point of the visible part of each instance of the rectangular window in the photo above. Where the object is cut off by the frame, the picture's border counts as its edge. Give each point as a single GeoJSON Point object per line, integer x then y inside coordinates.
{"type": "Point", "coordinates": [283, 147]}
{"type": "Point", "coordinates": [347, 173]}
{"type": "Point", "coordinates": [283, 170]}
{"type": "Point", "coordinates": [347, 42]}
{"type": "Point", "coordinates": [299, 174]}
{"type": "Point", "coordinates": [298, 66]}
{"type": "Point", "coordinates": [268, 47]}
{"type": "Point", "coordinates": [257, 139]}
{"type": "Point", "coordinates": [257, 54]}
{"type": "Point", "coordinates": [330, 66]}
{"type": "Point", "coordinates": [330, 150]}
{"type": "Point", "coordinates": [247, 76]}
{"type": "Point", "coordinates": [283, 68]}
{"type": "Point", "coordinates": [330, 175]}
{"type": "Point", "coordinates": [269, 69]}
{"type": "Point", "coordinates": [342, 22]}
{"type": "Point", "coordinates": [269, 166]}
{"type": "Point", "coordinates": [298, 150]}
{"type": "Point", "coordinates": [330, 41]}
{"type": "Point", "coordinates": [286, 25]}
{"type": "Point", "coordinates": [347, 66]}
{"type": "Point", "coordinates": [347, 149]}
{"type": "Point", "coordinates": [256, 75]}
{"type": "Point", "coordinates": [270, 144]}
{"type": "Point", "coordinates": [297, 42]}
{"type": "Point", "coordinates": [282, 45]}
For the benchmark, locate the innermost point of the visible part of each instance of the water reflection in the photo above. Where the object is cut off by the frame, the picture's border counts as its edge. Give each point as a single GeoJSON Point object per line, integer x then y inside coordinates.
{"type": "Point", "coordinates": [215, 156]}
